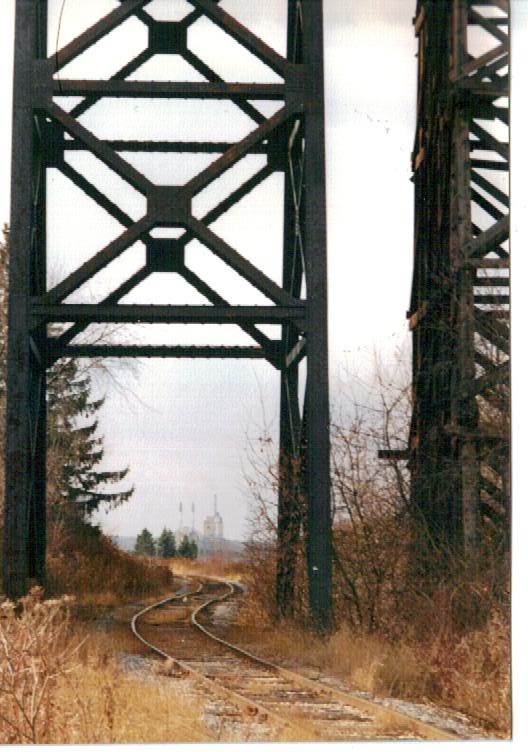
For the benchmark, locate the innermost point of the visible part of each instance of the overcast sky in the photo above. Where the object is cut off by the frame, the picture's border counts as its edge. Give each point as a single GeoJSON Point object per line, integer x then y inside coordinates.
{"type": "Point", "coordinates": [182, 425]}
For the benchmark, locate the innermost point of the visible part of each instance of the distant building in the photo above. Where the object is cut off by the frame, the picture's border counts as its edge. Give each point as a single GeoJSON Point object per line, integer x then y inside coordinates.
{"type": "Point", "coordinates": [213, 533]}
{"type": "Point", "coordinates": [186, 532]}
{"type": "Point", "coordinates": [212, 541]}
{"type": "Point", "coordinates": [214, 525]}
{"type": "Point", "coordinates": [181, 533]}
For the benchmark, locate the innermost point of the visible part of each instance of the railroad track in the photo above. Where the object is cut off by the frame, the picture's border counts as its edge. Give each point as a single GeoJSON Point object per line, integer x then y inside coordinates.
{"type": "Point", "coordinates": [178, 630]}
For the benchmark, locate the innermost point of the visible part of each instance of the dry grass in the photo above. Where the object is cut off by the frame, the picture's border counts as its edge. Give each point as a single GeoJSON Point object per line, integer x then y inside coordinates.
{"type": "Point", "coordinates": [52, 691]}
{"type": "Point", "coordinates": [60, 686]}
{"type": "Point", "coordinates": [83, 561]}
{"type": "Point", "coordinates": [59, 681]}
{"type": "Point", "coordinates": [472, 673]}
{"type": "Point", "coordinates": [35, 654]}
{"type": "Point", "coordinates": [218, 565]}
{"type": "Point", "coordinates": [467, 670]}
{"type": "Point", "coordinates": [104, 705]}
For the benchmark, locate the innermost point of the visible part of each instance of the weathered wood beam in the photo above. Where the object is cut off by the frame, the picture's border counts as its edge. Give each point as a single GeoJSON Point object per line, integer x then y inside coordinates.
{"type": "Point", "coordinates": [490, 239]}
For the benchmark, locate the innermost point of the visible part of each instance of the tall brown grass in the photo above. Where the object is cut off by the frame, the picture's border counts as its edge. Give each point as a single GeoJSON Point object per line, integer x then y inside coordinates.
{"type": "Point", "coordinates": [83, 561]}
{"type": "Point", "coordinates": [429, 655]}
{"type": "Point", "coordinates": [215, 565]}
{"type": "Point", "coordinates": [58, 685]}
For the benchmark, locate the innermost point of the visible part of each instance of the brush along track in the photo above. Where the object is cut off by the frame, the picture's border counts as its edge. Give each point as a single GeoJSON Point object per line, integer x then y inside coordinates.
{"type": "Point", "coordinates": [257, 689]}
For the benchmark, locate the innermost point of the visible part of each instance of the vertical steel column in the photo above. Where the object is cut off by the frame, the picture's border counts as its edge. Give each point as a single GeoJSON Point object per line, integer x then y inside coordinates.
{"type": "Point", "coordinates": [319, 534]}
{"type": "Point", "coordinates": [37, 528]}
{"type": "Point", "coordinates": [24, 526]}
{"type": "Point", "coordinates": [304, 487]}
{"type": "Point", "coordinates": [290, 494]}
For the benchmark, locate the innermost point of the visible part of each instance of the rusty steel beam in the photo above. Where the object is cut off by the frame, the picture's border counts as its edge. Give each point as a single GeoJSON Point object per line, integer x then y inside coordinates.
{"type": "Point", "coordinates": [110, 252]}
{"type": "Point", "coordinates": [291, 141]}
{"type": "Point", "coordinates": [186, 273]}
{"type": "Point", "coordinates": [460, 334]}
{"type": "Point", "coordinates": [126, 70]}
{"type": "Point", "coordinates": [190, 57]}
{"type": "Point", "coordinates": [175, 147]}
{"type": "Point", "coordinates": [241, 34]}
{"type": "Point", "coordinates": [107, 155]}
{"type": "Point", "coordinates": [291, 492]}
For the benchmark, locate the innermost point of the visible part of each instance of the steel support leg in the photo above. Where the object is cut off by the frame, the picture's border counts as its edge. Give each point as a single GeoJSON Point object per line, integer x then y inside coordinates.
{"type": "Point", "coordinates": [290, 496]}
{"type": "Point", "coordinates": [288, 517]}
{"type": "Point", "coordinates": [319, 534]}
{"type": "Point", "coordinates": [25, 484]}
{"type": "Point", "coordinates": [304, 488]}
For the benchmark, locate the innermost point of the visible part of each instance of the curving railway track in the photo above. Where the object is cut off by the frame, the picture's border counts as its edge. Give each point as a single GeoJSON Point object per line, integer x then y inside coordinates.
{"type": "Point", "coordinates": [254, 691]}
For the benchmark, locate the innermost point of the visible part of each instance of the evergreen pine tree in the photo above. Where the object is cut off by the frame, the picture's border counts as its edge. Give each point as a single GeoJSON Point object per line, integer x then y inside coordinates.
{"type": "Point", "coordinates": [187, 548]}
{"type": "Point", "coordinates": [145, 545]}
{"type": "Point", "coordinates": [74, 444]}
{"type": "Point", "coordinates": [74, 448]}
{"type": "Point", "coordinates": [166, 545]}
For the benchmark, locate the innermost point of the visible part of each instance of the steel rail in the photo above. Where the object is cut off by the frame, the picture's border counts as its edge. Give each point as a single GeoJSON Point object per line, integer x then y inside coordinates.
{"type": "Point", "coordinates": [159, 604]}
{"type": "Point", "coordinates": [413, 725]}
{"type": "Point", "coordinates": [431, 732]}
{"type": "Point", "coordinates": [242, 702]}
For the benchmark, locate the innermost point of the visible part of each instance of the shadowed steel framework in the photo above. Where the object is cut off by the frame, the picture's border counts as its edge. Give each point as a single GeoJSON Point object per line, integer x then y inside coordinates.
{"type": "Point", "coordinates": [44, 321]}
{"type": "Point", "coordinates": [459, 314]}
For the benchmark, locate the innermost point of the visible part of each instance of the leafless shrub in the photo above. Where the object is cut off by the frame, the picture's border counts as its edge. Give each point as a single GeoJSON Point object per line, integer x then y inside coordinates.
{"type": "Point", "coordinates": [448, 641]}
{"type": "Point", "coordinates": [36, 650]}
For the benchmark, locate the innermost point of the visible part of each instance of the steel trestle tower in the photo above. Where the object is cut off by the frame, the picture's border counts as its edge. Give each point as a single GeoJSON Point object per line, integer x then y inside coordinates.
{"type": "Point", "coordinates": [459, 313]}
{"type": "Point", "coordinates": [44, 322]}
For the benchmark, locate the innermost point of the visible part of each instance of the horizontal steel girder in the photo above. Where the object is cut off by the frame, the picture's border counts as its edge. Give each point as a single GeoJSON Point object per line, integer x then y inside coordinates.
{"type": "Point", "coordinates": [165, 314]}
{"type": "Point", "coordinates": [160, 351]}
